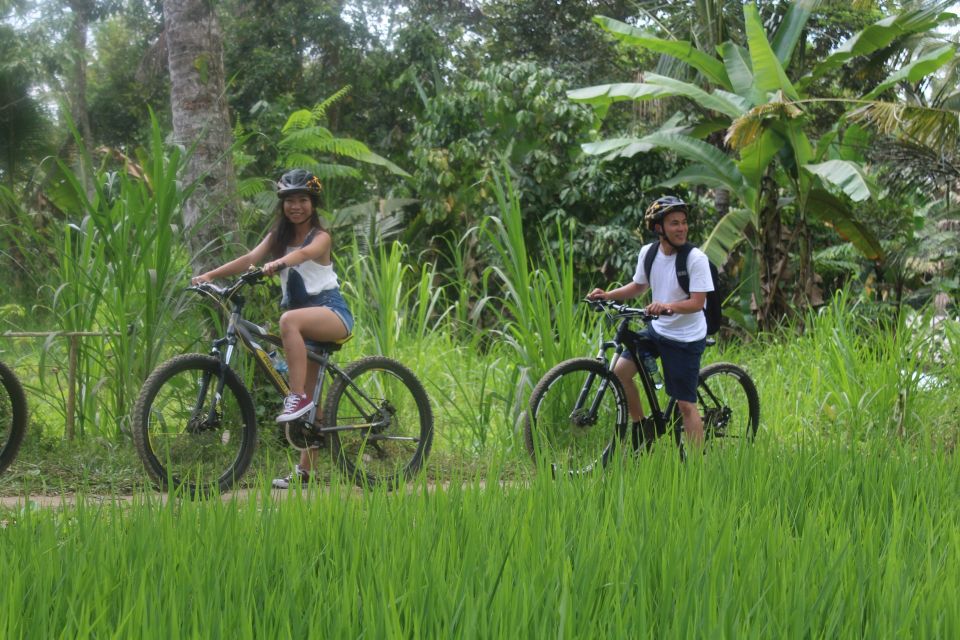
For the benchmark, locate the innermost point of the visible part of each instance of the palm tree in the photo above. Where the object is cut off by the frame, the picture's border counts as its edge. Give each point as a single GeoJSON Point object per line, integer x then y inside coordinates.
{"type": "Point", "coordinates": [201, 121]}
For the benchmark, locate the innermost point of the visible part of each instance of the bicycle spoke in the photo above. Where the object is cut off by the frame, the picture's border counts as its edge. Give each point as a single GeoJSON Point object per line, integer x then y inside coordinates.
{"type": "Point", "coordinates": [189, 431]}
{"type": "Point", "coordinates": [381, 420]}
{"type": "Point", "coordinates": [575, 413]}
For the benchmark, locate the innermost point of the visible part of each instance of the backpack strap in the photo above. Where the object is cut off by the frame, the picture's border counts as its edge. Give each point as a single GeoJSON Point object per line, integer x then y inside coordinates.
{"type": "Point", "coordinates": [649, 258]}
{"type": "Point", "coordinates": [683, 276]}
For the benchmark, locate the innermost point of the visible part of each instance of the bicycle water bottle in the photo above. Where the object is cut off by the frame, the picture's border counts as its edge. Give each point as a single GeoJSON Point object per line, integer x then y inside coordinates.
{"type": "Point", "coordinates": [650, 364]}
{"type": "Point", "coordinates": [278, 363]}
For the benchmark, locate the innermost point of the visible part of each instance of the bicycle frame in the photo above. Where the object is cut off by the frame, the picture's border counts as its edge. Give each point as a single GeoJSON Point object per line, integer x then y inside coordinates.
{"type": "Point", "coordinates": [249, 334]}
{"type": "Point", "coordinates": [621, 337]}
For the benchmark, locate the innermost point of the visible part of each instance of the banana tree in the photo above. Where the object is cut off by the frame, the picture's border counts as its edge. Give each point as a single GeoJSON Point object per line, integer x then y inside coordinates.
{"type": "Point", "coordinates": [772, 166]}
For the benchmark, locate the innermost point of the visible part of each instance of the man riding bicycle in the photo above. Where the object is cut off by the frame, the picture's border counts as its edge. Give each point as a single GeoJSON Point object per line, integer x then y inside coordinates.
{"type": "Point", "coordinates": [680, 331]}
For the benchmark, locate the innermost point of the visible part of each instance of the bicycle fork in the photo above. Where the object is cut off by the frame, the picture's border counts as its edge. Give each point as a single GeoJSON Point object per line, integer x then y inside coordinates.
{"type": "Point", "coordinates": [591, 415]}
{"type": "Point", "coordinates": [216, 350]}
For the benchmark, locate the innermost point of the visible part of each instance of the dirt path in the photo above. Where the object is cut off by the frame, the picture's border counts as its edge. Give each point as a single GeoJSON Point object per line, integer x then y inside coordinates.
{"type": "Point", "coordinates": [71, 499]}
{"type": "Point", "coordinates": [53, 501]}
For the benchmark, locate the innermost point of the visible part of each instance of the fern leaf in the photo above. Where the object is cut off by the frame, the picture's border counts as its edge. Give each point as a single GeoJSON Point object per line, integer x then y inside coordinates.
{"type": "Point", "coordinates": [320, 109]}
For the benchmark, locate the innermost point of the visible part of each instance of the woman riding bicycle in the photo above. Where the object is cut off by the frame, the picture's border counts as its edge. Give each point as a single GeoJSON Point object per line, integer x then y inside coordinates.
{"type": "Point", "coordinates": [299, 249]}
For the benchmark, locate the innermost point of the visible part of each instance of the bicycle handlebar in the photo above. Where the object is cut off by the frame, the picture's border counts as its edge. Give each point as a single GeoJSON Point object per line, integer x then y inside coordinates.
{"type": "Point", "coordinates": [251, 276]}
{"type": "Point", "coordinates": [621, 310]}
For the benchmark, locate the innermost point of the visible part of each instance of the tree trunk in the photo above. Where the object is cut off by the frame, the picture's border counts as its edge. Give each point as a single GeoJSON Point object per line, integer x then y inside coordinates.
{"type": "Point", "coordinates": [201, 123]}
{"type": "Point", "coordinates": [82, 11]}
{"type": "Point", "coordinates": [771, 255]}
{"type": "Point", "coordinates": [721, 201]}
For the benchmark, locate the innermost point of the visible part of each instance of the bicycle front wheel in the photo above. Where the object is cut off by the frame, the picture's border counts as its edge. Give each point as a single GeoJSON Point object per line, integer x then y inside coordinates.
{"type": "Point", "coordinates": [380, 420]}
{"type": "Point", "coordinates": [13, 416]}
{"type": "Point", "coordinates": [577, 413]}
{"type": "Point", "coordinates": [728, 403]}
{"type": "Point", "coordinates": [194, 425]}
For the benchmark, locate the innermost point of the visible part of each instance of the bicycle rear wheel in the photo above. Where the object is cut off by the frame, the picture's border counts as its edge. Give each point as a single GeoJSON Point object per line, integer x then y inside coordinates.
{"type": "Point", "coordinates": [729, 404]}
{"type": "Point", "coordinates": [382, 420]}
{"type": "Point", "coordinates": [13, 416]}
{"type": "Point", "coordinates": [577, 413]}
{"type": "Point", "coordinates": [192, 429]}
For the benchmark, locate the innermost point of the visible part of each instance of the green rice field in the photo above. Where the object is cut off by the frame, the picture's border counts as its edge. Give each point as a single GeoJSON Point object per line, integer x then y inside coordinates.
{"type": "Point", "coordinates": [775, 541]}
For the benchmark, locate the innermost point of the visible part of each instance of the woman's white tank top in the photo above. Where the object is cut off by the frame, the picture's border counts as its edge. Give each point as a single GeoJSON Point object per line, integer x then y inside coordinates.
{"type": "Point", "coordinates": [316, 277]}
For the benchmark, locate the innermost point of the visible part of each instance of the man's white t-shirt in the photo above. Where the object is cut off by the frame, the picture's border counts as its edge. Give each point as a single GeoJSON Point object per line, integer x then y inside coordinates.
{"type": "Point", "coordinates": [682, 327]}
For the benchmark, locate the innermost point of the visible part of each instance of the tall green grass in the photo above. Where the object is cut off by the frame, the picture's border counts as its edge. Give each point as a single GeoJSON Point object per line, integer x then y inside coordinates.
{"type": "Point", "coordinates": [536, 304]}
{"type": "Point", "coordinates": [854, 376]}
{"type": "Point", "coordinates": [777, 541]}
{"type": "Point", "coordinates": [120, 268]}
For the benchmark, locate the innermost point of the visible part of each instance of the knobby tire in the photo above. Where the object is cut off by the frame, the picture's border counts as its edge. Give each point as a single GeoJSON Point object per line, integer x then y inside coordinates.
{"type": "Point", "coordinates": [400, 409]}
{"type": "Point", "coordinates": [569, 440]}
{"type": "Point", "coordinates": [728, 403]}
{"type": "Point", "coordinates": [181, 448]}
{"type": "Point", "coordinates": [13, 416]}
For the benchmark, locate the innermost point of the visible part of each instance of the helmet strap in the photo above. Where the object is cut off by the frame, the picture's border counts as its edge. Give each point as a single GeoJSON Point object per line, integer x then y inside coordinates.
{"type": "Point", "coordinates": [663, 237]}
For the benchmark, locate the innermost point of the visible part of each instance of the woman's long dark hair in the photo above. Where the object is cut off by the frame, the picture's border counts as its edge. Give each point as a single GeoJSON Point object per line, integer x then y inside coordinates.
{"type": "Point", "coordinates": [282, 232]}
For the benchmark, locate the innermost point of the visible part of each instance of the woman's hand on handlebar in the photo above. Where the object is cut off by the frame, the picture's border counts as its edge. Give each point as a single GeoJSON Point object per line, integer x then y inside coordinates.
{"type": "Point", "coordinates": [200, 279]}
{"type": "Point", "coordinates": [273, 267]}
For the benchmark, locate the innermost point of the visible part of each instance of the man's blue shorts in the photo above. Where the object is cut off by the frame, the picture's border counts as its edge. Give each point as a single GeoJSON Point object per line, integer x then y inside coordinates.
{"type": "Point", "coordinates": [681, 364]}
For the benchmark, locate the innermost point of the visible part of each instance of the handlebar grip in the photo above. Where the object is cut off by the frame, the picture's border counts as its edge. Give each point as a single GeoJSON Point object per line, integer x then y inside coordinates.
{"type": "Point", "coordinates": [207, 287]}
{"type": "Point", "coordinates": [252, 275]}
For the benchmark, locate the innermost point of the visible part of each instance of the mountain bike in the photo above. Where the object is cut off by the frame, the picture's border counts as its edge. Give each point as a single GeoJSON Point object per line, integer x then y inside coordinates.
{"type": "Point", "coordinates": [195, 425]}
{"type": "Point", "coordinates": [577, 416]}
{"type": "Point", "coordinates": [13, 416]}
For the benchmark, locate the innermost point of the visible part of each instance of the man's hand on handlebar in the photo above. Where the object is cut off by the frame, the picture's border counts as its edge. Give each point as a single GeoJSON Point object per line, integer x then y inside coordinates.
{"type": "Point", "coordinates": [659, 309]}
{"type": "Point", "coordinates": [597, 294]}
{"type": "Point", "coordinates": [598, 301]}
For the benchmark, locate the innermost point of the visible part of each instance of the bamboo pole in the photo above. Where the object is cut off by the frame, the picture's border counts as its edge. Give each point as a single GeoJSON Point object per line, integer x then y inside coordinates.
{"type": "Point", "coordinates": [73, 338]}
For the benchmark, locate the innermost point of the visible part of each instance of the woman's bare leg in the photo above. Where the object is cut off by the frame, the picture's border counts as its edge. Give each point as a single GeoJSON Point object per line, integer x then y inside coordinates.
{"type": "Point", "coordinates": [314, 323]}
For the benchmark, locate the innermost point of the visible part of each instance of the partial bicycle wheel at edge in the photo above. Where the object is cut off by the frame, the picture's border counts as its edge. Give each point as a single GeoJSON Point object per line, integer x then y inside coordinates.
{"type": "Point", "coordinates": [188, 437]}
{"type": "Point", "coordinates": [728, 403]}
{"type": "Point", "coordinates": [383, 421]}
{"type": "Point", "coordinates": [577, 413]}
{"type": "Point", "coordinates": [13, 416]}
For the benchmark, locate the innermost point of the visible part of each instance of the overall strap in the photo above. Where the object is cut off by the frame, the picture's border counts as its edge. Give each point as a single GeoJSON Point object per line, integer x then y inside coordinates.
{"type": "Point", "coordinates": [309, 237]}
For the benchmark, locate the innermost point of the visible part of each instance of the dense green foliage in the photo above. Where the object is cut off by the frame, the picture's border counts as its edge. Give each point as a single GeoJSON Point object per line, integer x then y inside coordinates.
{"type": "Point", "coordinates": [433, 92]}
{"type": "Point", "coordinates": [468, 224]}
{"type": "Point", "coordinates": [22, 118]}
{"type": "Point", "coordinates": [786, 171]}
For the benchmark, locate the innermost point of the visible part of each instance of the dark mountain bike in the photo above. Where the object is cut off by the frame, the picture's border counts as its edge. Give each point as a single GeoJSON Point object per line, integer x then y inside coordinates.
{"type": "Point", "coordinates": [578, 410]}
{"type": "Point", "coordinates": [195, 426]}
{"type": "Point", "coordinates": [13, 416]}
